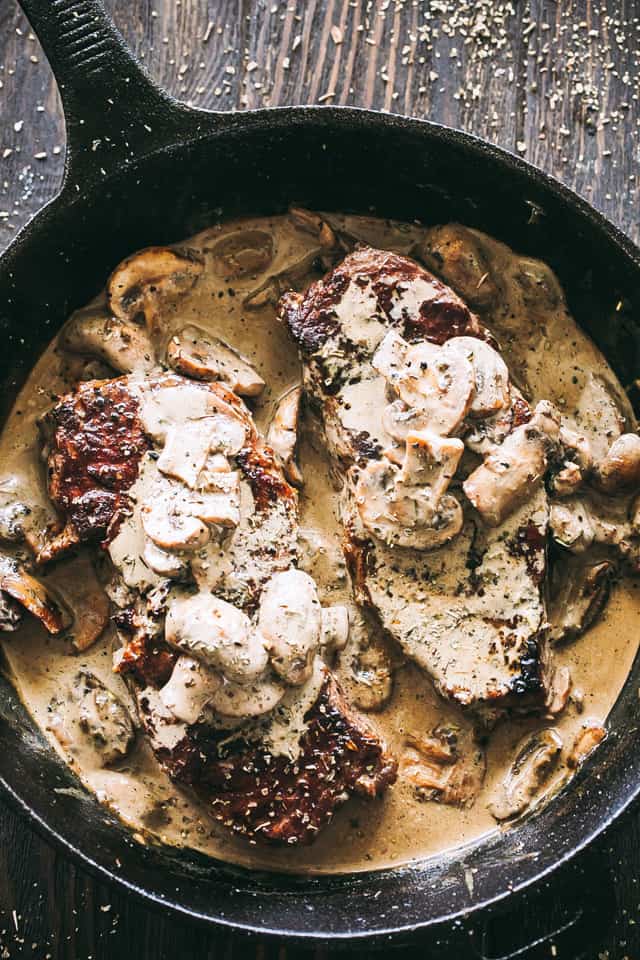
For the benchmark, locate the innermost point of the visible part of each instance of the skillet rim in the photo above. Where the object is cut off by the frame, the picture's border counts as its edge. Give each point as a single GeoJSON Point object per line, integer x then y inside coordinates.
{"type": "Point", "coordinates": [334, 118]}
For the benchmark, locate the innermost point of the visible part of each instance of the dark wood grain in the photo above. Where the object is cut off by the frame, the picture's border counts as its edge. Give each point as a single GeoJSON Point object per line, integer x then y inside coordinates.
{"type": "Point", "coordinates": [556, 81]}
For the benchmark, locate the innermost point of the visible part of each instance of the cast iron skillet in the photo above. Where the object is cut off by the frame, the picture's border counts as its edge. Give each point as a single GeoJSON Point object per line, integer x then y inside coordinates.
{"type": "Point", "coordinates": [142, 169]}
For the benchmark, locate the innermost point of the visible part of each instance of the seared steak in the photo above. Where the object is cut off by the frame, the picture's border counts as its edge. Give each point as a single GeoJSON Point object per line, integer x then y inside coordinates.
{"type": "Point", "coordinates": [222, 634]}
{"type": "Point", "coordinates": [277, 798]}
{"type": "Point", "coordinates": [411, 392]}
{"type": "Point", "coordinates": [96, 442]}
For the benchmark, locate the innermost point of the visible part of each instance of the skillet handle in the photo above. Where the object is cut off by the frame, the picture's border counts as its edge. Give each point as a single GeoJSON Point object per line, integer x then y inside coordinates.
{"type": "Point", "coordinates": [113, 111]}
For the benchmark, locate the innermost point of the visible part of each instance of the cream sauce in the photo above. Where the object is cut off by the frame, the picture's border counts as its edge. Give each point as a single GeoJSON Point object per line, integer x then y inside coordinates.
{"type": "Point", "coordinates": [399, 828]}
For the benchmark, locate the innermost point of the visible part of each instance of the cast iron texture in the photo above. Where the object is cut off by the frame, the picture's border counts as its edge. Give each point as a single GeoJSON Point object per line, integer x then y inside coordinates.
{"type": "Point", "coordinates": [141, 169]}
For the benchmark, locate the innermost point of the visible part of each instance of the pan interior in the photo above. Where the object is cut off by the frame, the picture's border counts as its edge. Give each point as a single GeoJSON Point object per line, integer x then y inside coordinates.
{"type": "Point", "coordinates": [339, 163]}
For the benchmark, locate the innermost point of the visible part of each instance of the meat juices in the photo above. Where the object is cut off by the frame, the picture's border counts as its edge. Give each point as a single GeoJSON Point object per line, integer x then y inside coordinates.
{"type": "Point", "coordinates": [209, 313]}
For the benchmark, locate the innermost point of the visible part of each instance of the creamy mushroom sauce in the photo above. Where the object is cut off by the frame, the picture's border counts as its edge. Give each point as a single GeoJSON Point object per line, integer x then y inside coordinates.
{"type": "Point", "coordinates": [551, 359]}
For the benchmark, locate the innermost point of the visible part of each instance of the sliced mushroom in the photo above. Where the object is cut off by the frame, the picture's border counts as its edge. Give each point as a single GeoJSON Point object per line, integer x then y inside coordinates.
{"type": "Point", "coordinates": [169, 522]}
{"type": "Point", "coordinates": [195, 353]}
{"type": "Point", "coordinates": [11, 614]}
{"type": "Point", "coordinates": [282, 435]}
{"type": "Point", "coordinates": [214, 631]}
{"type": "Point", "coordinates": [568, 480]}
{"type": "Point", "coordinates": [241, 254]}
{"type": "Point", "coordinates": [293, 275]}
{"type": "Point", "coordinates": [146, 281]}
{"type": "Point", "coordinates": [436, 380]}
{"type": "Point", "coordinates": [448, 765]}
{"type": "Point", "coordinates": [491, 391]}
{"type": "Point", "coordinates": [571, 525]}
{"type": "Point", "coordinates": [84, 595]}
{"type": "Point", "coordinates": [104, 719]}
{"type": "Point", "coordinates": [12, 516]}
{"type": "Point", "coordinates": [290, 620]}
{"type": "Point", "coordinates": [218, 501]}
{"type": "Point", "coordinates": [162, 562]}
{"type": "Point", "coordinates": [591, 735]}
{"type": "Point", "coordinates": [620, 468]}
{"type": "Point", "coordinates": [455, 253]}
{"type": "Point", "coordinates": [229, 434]}
{"type": "Point", "coordinates": [559, 691]}
{"type": "Point", "coordinates": [404, 515]}
{"type": "Point", "coordinates": [31, 594]}
{"type": "Point", "coordinates": [398, 420]}
{"type": "Point", "coordinates": [90, 715]}
{"type": "Point", "coordinates": [313, 223]}
{"type": "Point", "coordinates": [186, 449]}
{"type": "Point", "coordinates": [536, 757]}
{"type": "Point", "coordinates": [483, 436]}
{"type": "Point", "coordinates": [578, 448]}
{"type": "Point", "coordinates": [364, 667]}
{"type": "Point", "coordinates": [579, 593]}
{"type": "Point", "coordinates": [189, 690]}
{"type": "Point", "coordinates": [512, 472]}
{"type": "Point", "coordinates": [126, 347]}
{"type": "Point", "coordinates": [187, 456]}
{"type": "Point", "coordinates": [430, 461]}
{"type": "Point", "coordinates": [603, 412]}
{"type": "Point", "coordinates": [48, 544]}
{"type": "Point", "coordinates": [576, 523]}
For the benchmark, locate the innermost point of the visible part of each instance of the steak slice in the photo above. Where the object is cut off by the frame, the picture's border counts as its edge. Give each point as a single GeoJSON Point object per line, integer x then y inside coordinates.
{"type": "Point", "coordinates": [269, 797]}
{"type": "Point", "coordinates": [467, 606]}
{"type": "Point", "coordinates": [95, 444]}
{"type": "Point", "coordinates": [173, 480]}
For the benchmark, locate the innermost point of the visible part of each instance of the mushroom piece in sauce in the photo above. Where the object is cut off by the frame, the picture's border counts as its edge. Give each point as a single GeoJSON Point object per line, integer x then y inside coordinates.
{"type": "Point", "coordinates": [448, 765]}
{"type": "Point", "coordinates": [619, 470]}
{"type": "Point", "coordinates": [144, 282]}
{"type": "Point", "coordinates": [242, 253]}
{"type": "Point", "coordinates": [221, 635]}
{"type": "Point", "coordinates": [409, 506]}
{"type": "Point", "coordinates": [195, 353]}
{"type": "Point", "coordinates": [315, 224]}
{"type": "Point", "coordinates": [511, 473]}
{"type": "Point", "coordinates": [536, 757]}
{"type": "Point", "coordinates": [282, 435]}
{"type": "Point", "coordinates": [12, 516]}
{"type": "Point", "coordinates": [92, 716]}
{"type": "Point", "coordinates": [125, 346]}
{"type": "Point", "coordinates": [437, 381]}
{"type": "Point", "coordinates": [579, 592]}
{"type": "Point", "coordinates": [290, 621]}
{"type": "Point", "coordinates": [456, 253]}
{"type": "Point", "coordinates": [592, 734]}
{"type": "Point", "coordinates": [559, 691]}
{"type": "Point", "coordinates": [364, 667]}
{"type": "Point", "coordinates": [404, 514]}
{"type": "Point", "coordinates": [25, 590]}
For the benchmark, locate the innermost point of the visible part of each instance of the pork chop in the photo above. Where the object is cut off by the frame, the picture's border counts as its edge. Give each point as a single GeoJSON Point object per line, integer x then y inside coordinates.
{"type": "Point", "coordinates": [222, 635]}
{"type": "Point", "coordinates": [411, 392]}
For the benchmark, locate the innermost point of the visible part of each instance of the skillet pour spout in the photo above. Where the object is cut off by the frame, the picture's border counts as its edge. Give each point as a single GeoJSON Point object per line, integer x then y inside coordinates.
{"type": "Point", "coordinates": [143, 169]}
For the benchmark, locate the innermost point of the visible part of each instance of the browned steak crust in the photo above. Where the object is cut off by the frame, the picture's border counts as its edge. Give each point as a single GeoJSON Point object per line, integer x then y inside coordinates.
{"type": "Point", "coordinates": [442, 314]}
{"type": "Point", "coordinates": [96, 442]}
{"type": "Point", "coordinates": [253, 792]}
{"type": "Point", "coordinates": [276, 799]}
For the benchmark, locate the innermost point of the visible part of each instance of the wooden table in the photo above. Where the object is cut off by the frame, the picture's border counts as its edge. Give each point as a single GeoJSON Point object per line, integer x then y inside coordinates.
{"type": "Point", "coordinates": [556, 81]}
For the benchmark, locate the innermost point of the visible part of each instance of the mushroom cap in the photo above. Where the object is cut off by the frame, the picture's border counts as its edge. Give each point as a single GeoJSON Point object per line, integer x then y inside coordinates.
{"type": "Point", "coordinates": [149, 276]}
